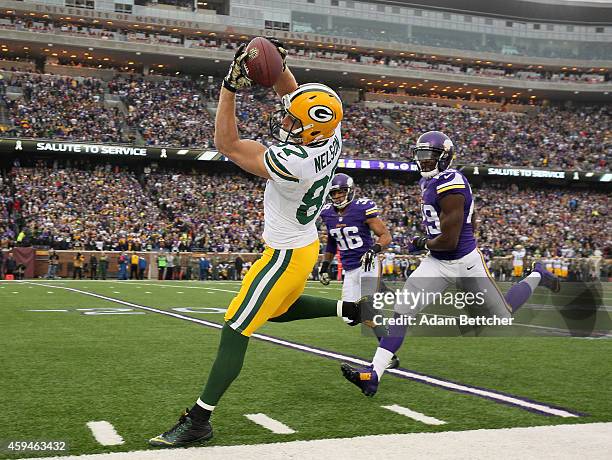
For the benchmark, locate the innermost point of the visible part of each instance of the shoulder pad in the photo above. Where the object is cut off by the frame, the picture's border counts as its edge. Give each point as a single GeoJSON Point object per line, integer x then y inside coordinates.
{"type": "Point", "coordinates": [449, 180]}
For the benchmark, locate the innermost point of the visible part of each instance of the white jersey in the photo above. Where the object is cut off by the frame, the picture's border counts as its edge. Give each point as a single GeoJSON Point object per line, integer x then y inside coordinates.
{"type": "Point", "coordinates": [300, 181]}
{"type": "Point", "coordinates": [517, 257]}
{"type": "Point", "coordinates": [389, 258]}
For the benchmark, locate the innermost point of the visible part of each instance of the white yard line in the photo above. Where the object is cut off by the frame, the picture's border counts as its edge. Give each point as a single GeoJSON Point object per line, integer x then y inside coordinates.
{"type": "Point", "coordinates": [561, 442]}
{"type": "Point", "coordinates": [269, 423]}
{"type": "Point", "coordinates": [105, 433]}
{"type": "Point", "coordinates": [414, 415]}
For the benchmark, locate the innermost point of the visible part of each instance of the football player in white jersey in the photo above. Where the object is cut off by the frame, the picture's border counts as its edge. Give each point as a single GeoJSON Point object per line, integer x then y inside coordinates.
{"type": "Point", "coordinates": [299, 171]}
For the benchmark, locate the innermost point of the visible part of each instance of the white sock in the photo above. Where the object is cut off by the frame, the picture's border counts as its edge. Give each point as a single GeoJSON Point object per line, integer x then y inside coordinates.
{"type": "Point", "coordinates": [533, 280]}
{"type": "Point", "coordinates": [203, 405]}
{"type": "Point", "coordinates": [339, 308]}
{"type": "Point", "coordinates": [381, 360]}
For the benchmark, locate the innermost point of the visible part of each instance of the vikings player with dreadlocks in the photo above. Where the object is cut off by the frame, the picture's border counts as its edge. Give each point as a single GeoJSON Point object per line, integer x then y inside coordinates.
{"type": "Point", "coordinates": [447, 207]}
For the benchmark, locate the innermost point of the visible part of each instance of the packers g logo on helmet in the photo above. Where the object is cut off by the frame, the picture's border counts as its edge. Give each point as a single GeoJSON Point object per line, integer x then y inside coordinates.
{"type": "Point", "coordinates": [310, 114]}
{"type": "Point", "coordinates": [320, 113]}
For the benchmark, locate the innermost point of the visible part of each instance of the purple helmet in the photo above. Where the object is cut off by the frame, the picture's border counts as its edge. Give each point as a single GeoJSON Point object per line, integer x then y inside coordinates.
{"type": "Point", "coordinates": [434, 152]}
{"type": "Point", "coordinates": [342, 182]}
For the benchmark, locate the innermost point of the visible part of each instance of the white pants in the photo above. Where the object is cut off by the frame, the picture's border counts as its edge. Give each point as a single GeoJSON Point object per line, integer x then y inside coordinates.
{"type": "Point", "coordinates": [358, 283]}
{"type": "Point", "coordinates": [470, 274]}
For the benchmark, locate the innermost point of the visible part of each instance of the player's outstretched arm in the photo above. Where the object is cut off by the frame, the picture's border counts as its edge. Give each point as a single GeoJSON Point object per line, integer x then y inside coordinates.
{"type": "Point", "coordinates": [247, 154]}
{"type": "Point", "coordinates": [286, 83]}
{"type": "Point", "coordinates": [451, 223]}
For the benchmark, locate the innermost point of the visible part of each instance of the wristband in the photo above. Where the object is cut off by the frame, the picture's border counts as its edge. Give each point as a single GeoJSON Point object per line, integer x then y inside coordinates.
{"type": "Point", "coordinates": [228, 87]}
{"type": "Point", "coordinates": [420, 242]}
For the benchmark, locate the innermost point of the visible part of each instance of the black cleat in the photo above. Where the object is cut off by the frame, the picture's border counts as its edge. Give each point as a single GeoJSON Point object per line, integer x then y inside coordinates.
{"type": "Point", "coordinates": [394, 363]}
{"type": "Point", "coordinates": [365, 378]}
{"type": "Point", "coordinates": [184, 433]}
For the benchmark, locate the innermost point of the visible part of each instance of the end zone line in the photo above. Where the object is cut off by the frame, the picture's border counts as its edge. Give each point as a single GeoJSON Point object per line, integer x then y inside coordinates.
{"type": "Point", "coordinates": [493, 395]}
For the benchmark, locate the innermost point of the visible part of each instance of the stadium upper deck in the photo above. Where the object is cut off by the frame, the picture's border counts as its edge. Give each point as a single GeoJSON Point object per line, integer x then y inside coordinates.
{"type": "Point", "coordinates": [433, 39]}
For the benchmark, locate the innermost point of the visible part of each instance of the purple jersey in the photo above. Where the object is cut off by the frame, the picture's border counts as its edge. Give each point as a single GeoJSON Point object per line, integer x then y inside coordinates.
{"type": "Point", "coordinates": [348, 231]}
{"type": "Point", "coordinates": [432, 191]}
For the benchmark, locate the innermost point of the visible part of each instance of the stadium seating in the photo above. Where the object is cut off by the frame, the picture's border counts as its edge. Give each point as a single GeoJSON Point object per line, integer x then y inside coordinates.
{"type": "Point", "coordinates": [173, 112]}
{"type": "Point", "coordinates": [110, 207]}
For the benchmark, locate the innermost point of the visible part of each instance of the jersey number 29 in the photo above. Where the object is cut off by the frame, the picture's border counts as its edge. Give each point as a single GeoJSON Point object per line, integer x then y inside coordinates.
{"type": "Point", "coordinates": [432, 221]}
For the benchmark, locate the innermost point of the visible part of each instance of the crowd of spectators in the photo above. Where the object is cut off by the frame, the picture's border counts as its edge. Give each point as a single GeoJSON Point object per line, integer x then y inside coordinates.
{"type": "Point", "coordinates": [167, 112]}
{"type": "Point", "coordinates": [218, 213]}
{"type": "Point", "coordinates": [62, 108]}
{"type": "Point", "coordinates": [99, 208]}
{"type": "Point", "coordinates": [173, 112]}
{"type": "Point", "coordinates": [112, 208]}
{"type": "Point", "coordinates": [548, 220]}
{"type": "Point", "coordinates": [545, 138]}
{"type": "Point", "coordinates": [551, 137]}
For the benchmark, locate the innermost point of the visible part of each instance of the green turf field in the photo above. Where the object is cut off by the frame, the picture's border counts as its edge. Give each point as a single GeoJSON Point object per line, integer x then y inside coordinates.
{"type": "Point", "coordinates": [95, 359]}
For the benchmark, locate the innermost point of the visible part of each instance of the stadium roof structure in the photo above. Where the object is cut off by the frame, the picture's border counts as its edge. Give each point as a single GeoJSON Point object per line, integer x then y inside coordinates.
{"type": "Point", "coordinates": [561, 11]}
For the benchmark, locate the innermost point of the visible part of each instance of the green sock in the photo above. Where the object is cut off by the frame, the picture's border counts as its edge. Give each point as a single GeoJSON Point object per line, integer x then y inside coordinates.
{"type": "Point", "coordinates": [227, 365]}
{"type": "Point", "coordinates": [308, 307]}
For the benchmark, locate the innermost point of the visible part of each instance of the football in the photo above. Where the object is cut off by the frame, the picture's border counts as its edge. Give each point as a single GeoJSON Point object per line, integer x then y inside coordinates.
{"type": "Point", "coordinates": [264, 63]}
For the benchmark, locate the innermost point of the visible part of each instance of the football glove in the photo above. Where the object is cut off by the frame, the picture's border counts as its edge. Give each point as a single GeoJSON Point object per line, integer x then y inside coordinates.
{"type": "Point", "coordinates": [369, 258]}
{"type": "Point", "coordinates": [324, 273]}
{"type": "Point", "coordinates": [236, 77]}
{"type": "Point", "coordinates": [417, 244]}
{"type": "Point", "coordinates": [281, 50]}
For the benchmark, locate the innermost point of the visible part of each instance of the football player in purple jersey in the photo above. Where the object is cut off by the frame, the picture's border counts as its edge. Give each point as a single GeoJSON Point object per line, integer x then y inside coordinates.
{"type": "Point", "coordinates": [448, 215]}
{"type": "Point", "coordinates": [350, 223]}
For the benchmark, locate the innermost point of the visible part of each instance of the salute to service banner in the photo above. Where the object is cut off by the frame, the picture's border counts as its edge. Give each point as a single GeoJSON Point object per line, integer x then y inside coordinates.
{"type": "Point", "coordinates": [126, 151]}
{"type": "Point", "coordinates": [174, 153]}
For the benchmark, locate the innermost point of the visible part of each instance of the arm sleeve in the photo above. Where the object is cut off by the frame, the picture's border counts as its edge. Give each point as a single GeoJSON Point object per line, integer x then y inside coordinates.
{"type": "Point", "coordinates": [281, 166]}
